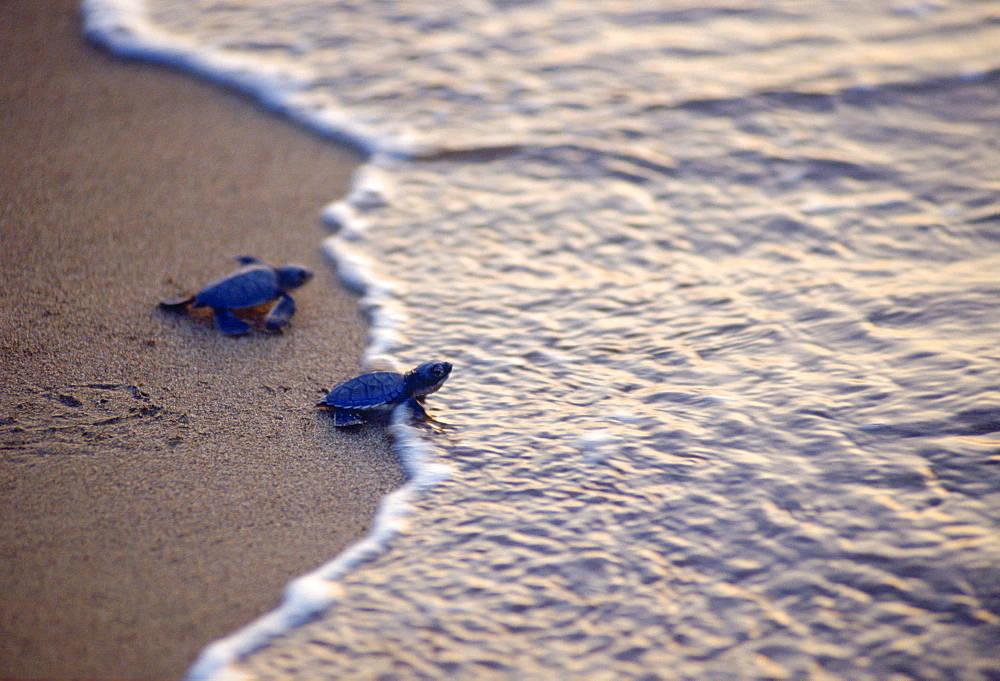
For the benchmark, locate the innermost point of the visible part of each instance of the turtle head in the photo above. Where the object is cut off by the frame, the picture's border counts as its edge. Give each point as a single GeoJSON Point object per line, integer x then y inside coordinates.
{"type": "Point", "coordinates": [292, 276]}
{"type": "Point", "coordinates": [427, 378]}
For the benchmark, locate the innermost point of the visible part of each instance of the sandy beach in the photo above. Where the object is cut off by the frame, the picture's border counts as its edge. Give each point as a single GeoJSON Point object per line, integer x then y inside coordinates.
{"type": "Point", "coordinates": [161, 483]}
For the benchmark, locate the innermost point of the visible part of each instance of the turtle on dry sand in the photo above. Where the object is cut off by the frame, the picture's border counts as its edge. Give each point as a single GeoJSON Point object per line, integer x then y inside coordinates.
{"type": "Point", "coordinates": [256, 283]}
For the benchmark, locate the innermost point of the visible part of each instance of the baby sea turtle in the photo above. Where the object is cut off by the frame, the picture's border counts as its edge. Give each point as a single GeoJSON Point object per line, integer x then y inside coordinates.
{"type": "Point", "coordinates": [381, 391]}
{"type": "Point", "coordinates": [253, 284]}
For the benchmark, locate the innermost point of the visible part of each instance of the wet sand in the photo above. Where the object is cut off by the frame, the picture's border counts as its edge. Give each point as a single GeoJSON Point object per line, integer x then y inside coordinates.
{"type": "Point", "coordinates": [160, 483]}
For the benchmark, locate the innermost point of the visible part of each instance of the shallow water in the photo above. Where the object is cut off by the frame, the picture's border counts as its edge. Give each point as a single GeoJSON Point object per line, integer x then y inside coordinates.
{"type": "Point", "coordinates": [720, 288]}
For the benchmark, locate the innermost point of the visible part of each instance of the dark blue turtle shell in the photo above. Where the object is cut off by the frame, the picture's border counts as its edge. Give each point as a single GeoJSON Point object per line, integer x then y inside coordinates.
{"type": "Point", "coordinates": [246, 287]}
{"type": "Point", "coordinates": [370, 391]}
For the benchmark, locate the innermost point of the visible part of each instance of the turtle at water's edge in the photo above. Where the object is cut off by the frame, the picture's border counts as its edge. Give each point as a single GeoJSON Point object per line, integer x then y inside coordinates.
{"type": "Point", "coordinates": [367, 395]}
{"type": "Point", "coordinates": [253, 284]}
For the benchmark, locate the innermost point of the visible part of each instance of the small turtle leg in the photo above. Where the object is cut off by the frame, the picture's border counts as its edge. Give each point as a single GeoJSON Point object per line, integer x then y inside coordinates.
{"type": "Point", "coordinates": [280, 314]}
{"type": "Point", "coordinates": [344, 417]}
{"type": "Point", "coordinates": [417, 410]}
{"type": "Point", "coordinates": [230, 324]}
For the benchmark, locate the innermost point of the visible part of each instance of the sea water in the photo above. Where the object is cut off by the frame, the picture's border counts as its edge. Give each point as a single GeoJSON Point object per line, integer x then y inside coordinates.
{"type": "Point", "coordinates": [720, 283]}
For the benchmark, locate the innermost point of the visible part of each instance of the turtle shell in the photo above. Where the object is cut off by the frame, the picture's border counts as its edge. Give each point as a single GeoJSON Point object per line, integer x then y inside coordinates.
{"type": "Point", "coordinates": [246, 287]}
{"type": "Point", "coordinates": [367, 392]}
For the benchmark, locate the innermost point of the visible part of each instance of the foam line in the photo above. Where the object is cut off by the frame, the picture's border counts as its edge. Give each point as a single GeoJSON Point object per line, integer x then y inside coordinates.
{"type": "Point", "coordinates": [124, 29]}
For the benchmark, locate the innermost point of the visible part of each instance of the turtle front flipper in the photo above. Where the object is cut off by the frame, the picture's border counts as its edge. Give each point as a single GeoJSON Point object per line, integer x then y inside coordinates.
{"type": "Point", "coordinates": [417, 411]}
{"type": "Point", "coordinates": [345, 417]}
{"type": "Point", "coordinates": [230, 324]}
{"type": "Point", "coordinates": [280, 314]}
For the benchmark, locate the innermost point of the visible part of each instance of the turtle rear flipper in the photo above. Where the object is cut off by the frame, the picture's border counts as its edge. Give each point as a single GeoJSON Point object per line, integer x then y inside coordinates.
{"type": "Point", "coordinates": [280, 314]}
{"type": "Point", "coordinates": [345, 417]}
{"type": "Point", "coordinates": [230, 324]}
{"type": "Point", "coordinates": [179, 304]}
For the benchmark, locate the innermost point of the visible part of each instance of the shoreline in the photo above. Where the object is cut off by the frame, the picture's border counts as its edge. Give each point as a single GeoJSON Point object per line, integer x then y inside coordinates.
{"type": "Point", "coordinates": [163, 483]}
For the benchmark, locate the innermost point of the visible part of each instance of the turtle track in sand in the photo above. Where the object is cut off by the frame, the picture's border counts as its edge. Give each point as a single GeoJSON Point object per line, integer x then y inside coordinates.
{"type": "Point", "coordinates": [71, 419]}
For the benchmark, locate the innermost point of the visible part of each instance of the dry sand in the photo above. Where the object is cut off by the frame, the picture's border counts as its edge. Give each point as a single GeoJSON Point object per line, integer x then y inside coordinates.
{"type": "Point", "coordinates": [160, 483]}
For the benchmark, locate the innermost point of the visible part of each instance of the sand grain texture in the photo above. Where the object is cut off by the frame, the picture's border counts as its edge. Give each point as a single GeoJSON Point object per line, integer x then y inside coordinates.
{"type": "Point", "coordinates": [160, 483]}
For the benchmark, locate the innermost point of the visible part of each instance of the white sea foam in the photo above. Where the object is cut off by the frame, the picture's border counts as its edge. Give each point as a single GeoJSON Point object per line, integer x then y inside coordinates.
{"type": "Point", "coordinates": [123, 27]}
{"type": "Point", "coordinates": [357, 271]}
